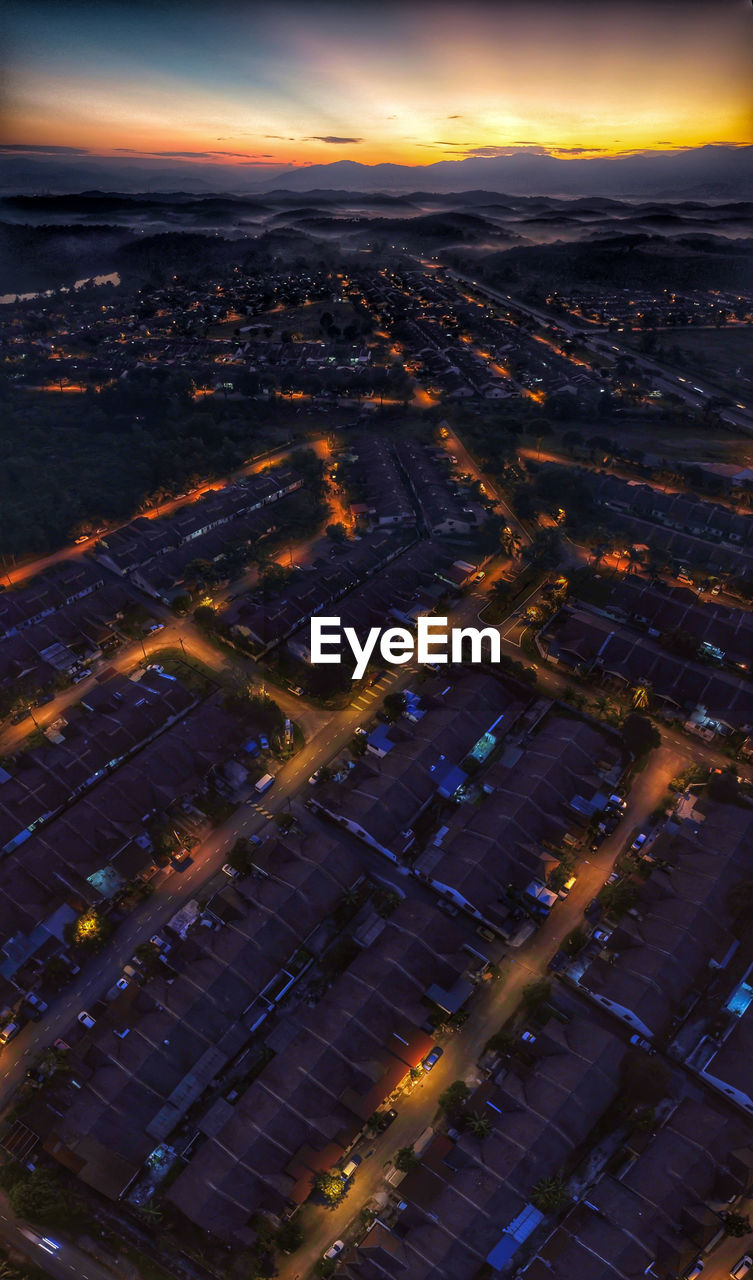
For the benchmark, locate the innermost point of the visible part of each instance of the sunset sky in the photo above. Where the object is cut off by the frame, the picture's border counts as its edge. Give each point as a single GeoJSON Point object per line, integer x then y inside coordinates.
{"type": "Point", "coordinates": [270, 85]}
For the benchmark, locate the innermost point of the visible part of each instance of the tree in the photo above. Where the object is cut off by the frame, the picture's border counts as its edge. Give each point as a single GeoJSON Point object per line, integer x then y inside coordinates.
{"type": "Point", "coordinates": [239, 857]}
{"type": "Point", "coordinates": [453, 1097]}
{"type": "Point", "coordinates": [618, 898]}
{"type": "Point", "coordinates": [330, 1186]}
{"type": "Point", "coordinates": [509, 541]}
{"type": "Point", "coordinates": [406, 1159]}
{"type": "Point", "coordinates": [536, 993]}
{"type": "Point", "coordinates": [39, 1197]}
{"type": "Point", "coordinates": [91, 931]}
{"type": "Point", "coordinates": [736, 1225]}
{"type": "Point", "coordinates": [337, 532]}
{"type": "Point", "coordinates": [285, 821]}
{"type": "Point", "coordinates": [639, 735]}
{"type": "Point", "coordinates": [290, 1236]}
{"type": "Point", "coordinates": [479, 1125]}
{"type": "Point", "coordinates": [642, 695]}
{"type": "Point", "coordinates": [394, 704]}
{"type": "Point", "coordinates": [550, 1195]}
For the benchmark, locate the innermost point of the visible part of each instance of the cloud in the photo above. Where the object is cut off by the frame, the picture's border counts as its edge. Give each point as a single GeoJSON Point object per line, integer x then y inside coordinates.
{"type": "Point", "coordinates": [575, 151]}
{"type": "Point", "coordinates": [499, 153]}
{"type": "Point", "coordinates": [453, 117]}
{"type": "Point", "coordinates": [44, 150]}
{"type": "Point", "coordinates": [329, 138]}
{"type": "Point", "coordinates": [279, 137]}
{"type": "Point", "coordinates": [183, 155]}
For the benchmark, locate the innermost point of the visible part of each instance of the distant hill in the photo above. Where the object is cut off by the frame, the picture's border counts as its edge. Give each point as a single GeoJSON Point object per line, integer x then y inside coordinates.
{"type": "Point", "coordinates": [709, 172]}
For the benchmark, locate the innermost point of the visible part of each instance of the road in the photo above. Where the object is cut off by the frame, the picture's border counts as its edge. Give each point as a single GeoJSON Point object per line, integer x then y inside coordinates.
{"type": "Point", "coordinates": [696, 393]}
{"type": "Point", "coordinates": [62, 1263]}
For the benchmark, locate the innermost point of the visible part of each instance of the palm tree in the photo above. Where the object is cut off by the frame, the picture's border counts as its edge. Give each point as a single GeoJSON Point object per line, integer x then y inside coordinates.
{"type": "Point", "coordinates": [480, 1126]}
{"type": "Point", "coordinates": [642, 696]}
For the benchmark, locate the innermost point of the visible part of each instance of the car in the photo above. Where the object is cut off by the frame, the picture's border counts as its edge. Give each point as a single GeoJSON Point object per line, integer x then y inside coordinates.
{"type": "Point", "coordinates": [359, 731]}
{"type": "Point", "coordinates": [641, 1042]}
{"type": "Point", "coordinates": [601, 936]}
{"type": "Point", "coordinates": [385, 1118]}
{"type": "Point", "coordinates": [485, 933]}
{"type": "Point", "coordinates": [528, 1037]}
{"type": "Point", "coordinates": [120, 986]}
{"type": "Point", "coordinates": [297, 692]}
{"type": "Point", "coordinates": [314, 777]}
{"type": "Point", "coordinates": [85, 1019]}
{"type": "Point", "coordinates": [349, 1168]}
{"type": "Point", "coordinates": [35, 1002]}
{"type": "Point", "coordinates": [694, 1270]}
{"type": "Point", "coordinates": [593, 910]}
{"type": "Point", "coordinates": [255, 840]}
{"type": "Point", "coordinates": [231, 872]}
{"type": "Point", "coordinates": [335, 1249]}
{"type": "Point", "coordinates": [432, 1058]}
{"type": "Point", "coordinates": [558, 961]}
{"type": "Point", "coordinates": [614, 878]}
{"type": "Point", "coordinates": [742, 1267]}
{"type": "Point", "coordinates": [10, 1030]}
{"type": "Point", "coordinates": [61, 1045]}
{"type": "Point", "coordinates": [263, 742]}
{"type": "Point", "coordinates": [479, 576]}
{"type": "Point", "coordinates": [567, 886]}
{"type": "Point", "coordinates": [159, 942]}
{"type": "Point", "coordinates": [639, 842]}
{"type": "Point", "coordinates": [617, 802]}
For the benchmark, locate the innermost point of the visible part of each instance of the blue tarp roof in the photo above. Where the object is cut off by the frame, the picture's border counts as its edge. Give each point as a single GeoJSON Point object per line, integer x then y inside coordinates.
{"type": "Point", "coordinates": [518, 1230]}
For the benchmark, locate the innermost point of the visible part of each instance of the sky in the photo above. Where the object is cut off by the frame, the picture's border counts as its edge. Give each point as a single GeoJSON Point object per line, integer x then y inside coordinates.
{"type": "Point", "coordinates": [266, 86]}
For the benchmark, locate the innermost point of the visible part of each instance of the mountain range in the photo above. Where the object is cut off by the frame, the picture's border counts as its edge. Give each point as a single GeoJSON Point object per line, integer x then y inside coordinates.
{"type": "Point", "coordinates": [715, 171]}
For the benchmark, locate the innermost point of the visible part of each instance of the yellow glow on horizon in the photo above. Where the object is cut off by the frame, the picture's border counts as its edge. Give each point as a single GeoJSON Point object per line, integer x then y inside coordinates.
{"type": "Point", "coordinates": [590, 80]}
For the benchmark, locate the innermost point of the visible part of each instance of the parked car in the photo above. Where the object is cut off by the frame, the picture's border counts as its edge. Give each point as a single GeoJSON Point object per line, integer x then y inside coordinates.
{"type": "Point", "coordinates": [60, 1045]}
{"type": "Point", "coordinates": [231, 872]}
{"type": "Point", "coordinates": [593, 910]}
{"type": "Point", "coordinates": [386, 1118]}
{"type": "Point", "coordinates": [335, 1249]}
{"type": "Point", "coordinates": [120, 986]}
{"type": "Point", "coordinates": [263, 742]}
{"type": "Point", "coordinates": [694, 1270]}
{"type": "Point", "coordinates": [558, 961]}
{"type": "Point", "coordinates": [567, 886]}
{"type": "Point", "coordinates": [601, 936]}
{"type": "Point", "coordinates": [432, 1058]}
{"type": "Point", "coordinates": [638, 843]}
{"type": "Point", "coordinates": [85, 1019]}
{"type": "Point", "coordinates": [742, 1267]}
{"type": "Point", "coordinates": [10, 1030]}
{"type": "Point", "coordinates": [349, 1168]}
{"type": "Point", "coordinates": [641, 1042]}
{"type": "Point", "coordinates": [485, 933]}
